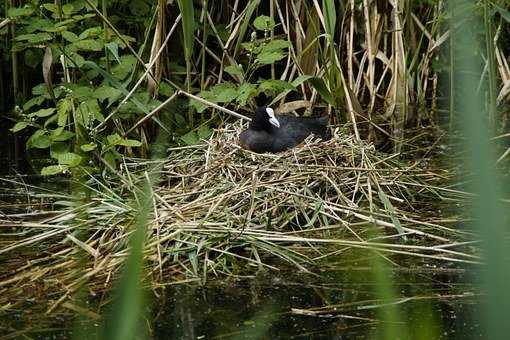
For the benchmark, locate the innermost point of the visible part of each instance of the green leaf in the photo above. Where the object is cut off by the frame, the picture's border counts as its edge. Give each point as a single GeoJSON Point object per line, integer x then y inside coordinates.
{"type": "Point", "coordinates": [70, 36]}
{"type": "Point", "coordinates": [129, 142]}
{"type": "Point", "coordinates": [204, 132]}
{"type": "Point", "coordinates": [321, 88]}
{"type": "Point", "coordinates": [92, 32]}
{"type": "Point", "coordinates": [70, 159]}
{"type": "Point", "coordinates": [111, 158]}
{"type": "Point", "coordinates": [245, 92]}
{"type": "Point", "coordinates": [190, 138]}
{"type": "Point", "coordinates": [34, 38]}
{"type": "Point", "coordinates": [63, 108]}
{"type": "Point", "coordinates": [39, 140]}
{"type": "Point", "coordinates": [88, 45]}
{"type": "Point", "coordinates": [263, 23]}
{"type": "Point", "coordinates": [19, 126]}
{"type": "Point", "coordinates": [53, 170]}
{"type": "Point", "coordinates": [114, 48]}
{"type": "Point", "coordinates": [329, 11]}
{"type": "Point", "coordinates": [68, 9]}
{"type": "Point", "coordinates": [43, 112]}
{"type": "Point", "coordinates": [273, 86]}
{"type": "Point", "coordinates": [165, 89]}
{"type": "Point", "coordinates": [224, 92]}
{"type": "Point", "coordinates": [33, 57]}
{"type": "Point", "coordinates": [250, 8]}
{"type": "Point", "coordinates": [57, 149]}
{"type": "Point", "coordinates": [234, 70]}
{"type": "Point", "coordinates": [207, 95]}
{"type": "Point", "coordinates": [14, 12]}
{"type": "Point", "coordinates": [88, 147]}
{"type": "Point", "coordinates": [107, 92]}
{"type": "Point", "coordinates": [33, 102]}
{"type": "Point", "coordinates": [50, 7]}
{"type": "Point", "coordinates": [275, 45]}
{"type": "Point", "coordinates": [113, 139]}
{"type": "Point", "coordinates": [267, 58]}
{"type": "Point", "coordinates": [62, 136]}
{"type": "Point", "coordinates": [296, 82]}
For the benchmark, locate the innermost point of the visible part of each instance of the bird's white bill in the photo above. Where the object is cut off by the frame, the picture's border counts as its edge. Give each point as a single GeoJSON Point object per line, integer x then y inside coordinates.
{"type": "Point", "coordinates": [272, 118]}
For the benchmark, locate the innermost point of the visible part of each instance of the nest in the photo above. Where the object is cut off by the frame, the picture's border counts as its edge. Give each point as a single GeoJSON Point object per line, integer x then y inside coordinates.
{"type": "Point", "coordinates": [218, 209]}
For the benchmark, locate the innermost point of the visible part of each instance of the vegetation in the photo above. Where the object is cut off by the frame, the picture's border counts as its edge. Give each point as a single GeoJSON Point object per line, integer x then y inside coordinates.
{"type": "Point", "coordinates": [138, 104]}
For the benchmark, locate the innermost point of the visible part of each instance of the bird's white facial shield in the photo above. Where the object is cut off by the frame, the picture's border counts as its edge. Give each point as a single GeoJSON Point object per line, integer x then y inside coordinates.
{"type": "Point", "coordinates": [272, 118]}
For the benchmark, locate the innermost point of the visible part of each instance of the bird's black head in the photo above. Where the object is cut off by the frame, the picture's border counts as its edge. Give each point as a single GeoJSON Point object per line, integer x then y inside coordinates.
{"type": "Point", "coordinates": [264, 119]}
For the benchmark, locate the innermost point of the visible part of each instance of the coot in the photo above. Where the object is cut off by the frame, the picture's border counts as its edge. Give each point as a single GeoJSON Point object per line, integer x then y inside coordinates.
{"type": "Point", "coordinates": [268, 132]}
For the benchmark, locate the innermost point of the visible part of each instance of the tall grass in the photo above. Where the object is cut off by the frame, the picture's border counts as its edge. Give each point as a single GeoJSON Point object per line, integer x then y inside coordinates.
{"type": "Point", "coordinates": [475, 107]}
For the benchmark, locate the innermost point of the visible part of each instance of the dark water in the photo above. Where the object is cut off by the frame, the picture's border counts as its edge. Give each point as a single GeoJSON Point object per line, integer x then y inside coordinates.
{"type": "Point", "coordinates": [338, 304]}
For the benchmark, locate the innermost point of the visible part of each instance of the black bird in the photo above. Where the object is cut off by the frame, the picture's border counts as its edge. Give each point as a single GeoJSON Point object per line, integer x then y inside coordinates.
{"type": "Point", "coordinates": [270, 133]}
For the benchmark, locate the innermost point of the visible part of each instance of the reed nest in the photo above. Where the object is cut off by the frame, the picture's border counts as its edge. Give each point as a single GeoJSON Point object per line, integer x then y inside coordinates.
{"type": "Point", "coordinates": [218, 209]}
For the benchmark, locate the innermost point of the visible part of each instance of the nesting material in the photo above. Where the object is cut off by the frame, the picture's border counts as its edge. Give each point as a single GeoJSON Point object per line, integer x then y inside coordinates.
{"type": "Point", "coordinates": [221, 210]}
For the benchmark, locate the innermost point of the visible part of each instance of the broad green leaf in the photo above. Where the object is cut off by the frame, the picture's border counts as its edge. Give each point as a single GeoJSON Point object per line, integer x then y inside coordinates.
{"type": "Point", "coordinates": [263, 23]}
{"type": "Point", "coordinates": [81, 92]}
{"type": "Point", "coordinates": [63, 108]}
{"type": "Point", "coordinates": [39, 140]}
{"type": "Point", "coordinates": [88, 45]}
{"type": "Point", "coordinates": [165, 89]}
{"type": "Point", "coordinates": [63, 136]}
{"type": "Point", "coordinates": [204, 132]}
{"type": "Point", "coordinates": [50, 7]}
{"type": "Point", "coordinates": [88, 147]}
{"type": "Point", "coordinates": [190, 138]}
{"type": "Point", "coordinates": [70, 36]}
{"type": "Point", "coordinates": [129, 142]}
{"type": "Point", "coordinates": [35, 37]}
{"type": "Point", "coordinates": [33, 57]}
{"type": "Point", "coordinates": [111, 158]}
{"type": "Point", "coordinates": [296, 82]}
{"type": "Point", "coordinates": [273, 86]}
{"type": "Point", "coordinates": [54, 170]}
{"type": "Point", "coordinates": [92, 32]}
{"type": "Point", "coordinates": [70, 159]}
{"type": "Point", "coordinates": [68, 9]}
{"type": "Point", "coordinates": [245, 92]}
{"type": "Point", "coordinates": [14, 12]}
{"type": "Point", "coordinates": [19, 126]}
{"type": "Point", "coordinates": [224, 92]}
{"type": "Point", "coordinates": [107, 92]}
{"type": "Point", "coordinates": [50, 120]}
{"type": "Point", "coordinates": [33, 102]}
{"type": "Point", "coordinates": [267, 58]}
{"type": "Point", "coordinates": [275, 45]}
{"type": "Point", "coordinates": [43, 112]}
{"type": "Point", "coordinates": [57, 149]}
{"type": "Point", "coordinates": [234, 70]}
{"type": "Point", "coordinates": [39, 89]}
{"type": "Point", "coordinates": [113, 139]}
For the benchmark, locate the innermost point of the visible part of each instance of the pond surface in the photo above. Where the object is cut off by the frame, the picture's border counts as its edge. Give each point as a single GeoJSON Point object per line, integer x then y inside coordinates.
{"type": "Point", "coordinates": [339, 303]}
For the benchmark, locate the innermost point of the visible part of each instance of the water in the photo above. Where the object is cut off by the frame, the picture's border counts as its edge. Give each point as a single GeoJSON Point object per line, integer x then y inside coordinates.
{"type": "Point", "coordinates": [336, 303]}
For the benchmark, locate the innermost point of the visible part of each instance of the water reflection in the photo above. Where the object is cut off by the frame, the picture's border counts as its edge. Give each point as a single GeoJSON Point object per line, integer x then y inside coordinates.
{"type": "Point", "coordinates": [338, 305]}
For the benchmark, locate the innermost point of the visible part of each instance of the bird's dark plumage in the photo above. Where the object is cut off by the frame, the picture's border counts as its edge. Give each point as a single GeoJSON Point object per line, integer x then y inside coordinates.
{"type": "Point", "coordinates": [268, 132]}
